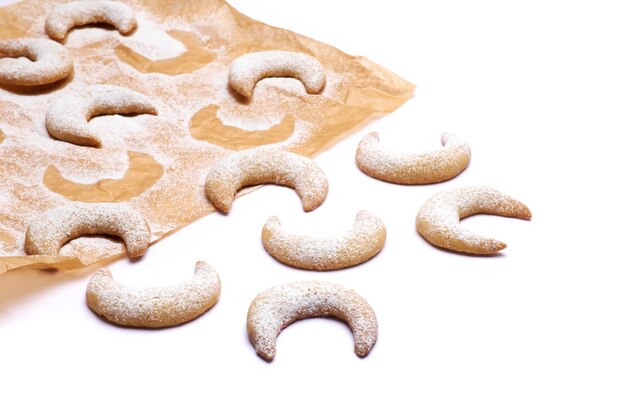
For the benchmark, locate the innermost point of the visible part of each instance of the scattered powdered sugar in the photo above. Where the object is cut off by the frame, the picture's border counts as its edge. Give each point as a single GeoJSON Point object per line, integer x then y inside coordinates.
{"type": "Point", "coordinates": [151, 41]}
{"type": "Point", "coordinates": [91, 170]}
{"type": "Point", "coordinates": [261, 121]}
{"type": "Point", "coordinates": [286, 85]}
{"type": "Point", "coordinates": [28, 151]}
{"type": "Point", "coordinates": [116, 131]}
{"type": "Point", "coordinates": [279, 306]}
{"type": "Point", "coordinates": [88, 36]}
{"type": "Point", "coordinates": [266, 165]}
{"type": "Point", "coordinates": [302, 133]}
{"type": "Point", "coordinates": [413, 168]}
{"type": "Point", "coordinates": [362, 242]}
{"type": "Point", "coordinates": [47, 62]}
{"type": "Point", "coordinates": [50, 231]}
{"type": "Point", "coordinates": [336, 87]}
{"type": "Point", "coordinates": [438, 218]}
{"type": "Point", "coordinates": [154, 306]}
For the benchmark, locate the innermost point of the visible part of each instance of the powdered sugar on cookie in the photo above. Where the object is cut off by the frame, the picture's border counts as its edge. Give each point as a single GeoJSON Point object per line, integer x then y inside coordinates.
{"type": "Point", "coordinates": [413, 168]}
{"type": "Point", "coordinates": [67, 116]}
{"type": "Point", "coordinates": [248, 69]}
{"type": "Point", "coordinates": [47, 233]}
{"type": "Point", "coordinates": [46, 62]}
{"type": "Point", "coordinates": [362, 242]}
{"type": "Point", "coordinates": [438, 218]}
{"type": "Point", "coordinates": [154, 307]}
{"type": "Point", "coordinates": [262, 166]}
{"type": "Point", "coordinates": [276, 308]}
{"type": "Point", "coordinates": [78, 13]}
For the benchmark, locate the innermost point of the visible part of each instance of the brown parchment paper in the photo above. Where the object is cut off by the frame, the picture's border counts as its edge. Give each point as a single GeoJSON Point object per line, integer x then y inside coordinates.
{"type": "Point", "coordinates": [179, 58]}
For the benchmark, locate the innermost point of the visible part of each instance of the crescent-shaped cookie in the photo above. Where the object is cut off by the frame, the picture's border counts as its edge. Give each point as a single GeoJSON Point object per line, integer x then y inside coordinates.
{"type": "Point", "coordinates": [68, 115]}
{"type": "Point", "coordinates": [413, 168]}
{"type": "Point", "coordinates": [248, 69]}
{"type": "Point", "coordinates": [263, 166]}
{"type": "Point", "coordinates": [279, 306]}
{"type": "Point", "coordinates": [47, 233]}
{"type": "Point", "coordinates": [362, 242]}
{"type": "Point", "coordinates": [153, 307]}
{"type": "Point", "coordinates": [66, 16]}
{"type": "Point", "coordinates": [438, 218]}
{"type": "Point", "coordinates": [47, 62]}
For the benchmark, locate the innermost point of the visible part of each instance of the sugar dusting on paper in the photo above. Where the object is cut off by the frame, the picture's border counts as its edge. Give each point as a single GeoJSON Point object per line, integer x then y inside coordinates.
{"type": "Point", "coordinates": [177, 197]}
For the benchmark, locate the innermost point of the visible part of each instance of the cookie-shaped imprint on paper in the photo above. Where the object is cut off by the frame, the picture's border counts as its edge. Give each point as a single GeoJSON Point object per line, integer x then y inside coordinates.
{"type": "Point", "coordinates": [205, 125]}
{"type": "Point", "coordinates": [278, 307]}
{"type": "Point", "coordinates": [432, 167]}
{"type": "Point", "coordinates": [248, 69]}
{"type": "Point", "coordinates": [265, 166]}
{"type": "Point", "coordinates": [153, 307]}
{"type": "Point", "coordinates": [66, 16]}
{"type": "Point", "coordinates": [438, 218]}
{"type": "Point", "coordinates": [33, 61]}
{"type": "Point", "coordinates": [68, 116]}
{"type": "Point", "coordinates": [142, 173]}
{"type": "Point", "coordinates": [47, 233]}
{"type": "Point", "coordinates": [362, 242]}
{"type": "Point", "coordinates": [195, 57]}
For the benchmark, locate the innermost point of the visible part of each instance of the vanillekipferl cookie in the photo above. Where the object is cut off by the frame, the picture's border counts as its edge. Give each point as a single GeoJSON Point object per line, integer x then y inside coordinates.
{"type": "Point", "coordinates": [66, 16]}
{"type": "Point", "coordinates": [47, 233]}
{"type": "Point", "coordinates": [68, 115]}
{"type": "Point", "coordinates": [390, 165]}
{"type": "Point", "coordinates": [153, 307]}
{"type": "Point", "coordinates": [33, 62]}
{"type": "Point", "coordinates": [248, 69]}
{"type": "Point", "coordinates": [279, 306]}
{"type": "Point", "coordinates": [265, 166]}
{"type": "Point", "coordinates": [361, 243]}
{"type": "Point", "coordinates": [438, 218]}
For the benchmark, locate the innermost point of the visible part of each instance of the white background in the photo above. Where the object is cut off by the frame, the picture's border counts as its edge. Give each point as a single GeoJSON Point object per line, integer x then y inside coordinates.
{"type": "Point", "coordinates": [538, 90]}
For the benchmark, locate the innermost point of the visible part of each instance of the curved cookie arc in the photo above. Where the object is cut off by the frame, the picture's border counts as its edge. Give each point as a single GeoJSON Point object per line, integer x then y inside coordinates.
{"type": "Point", "coordinates": [362, 242]}
{"type": "Point", "coordinates": [263, 166]}
{"type": "Point", "coordinates": [248, 69]}
{"type": "Point", "coordinates": [277, 307]}
{"type": "Point", "coordinates": [47, 62]}
{"type": "Point", "coordinates": [47, 233]}
{"type": "Point", "coordinates": [66, 16]}
{"type": "Point", "coordinates": [68, 115]}
{"type": "Point", "coordinates": [154, 307]}
{"type": "Point", "coordinates": [413, 168]}
{"type": "Point", "coordinates": [438, 219]}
